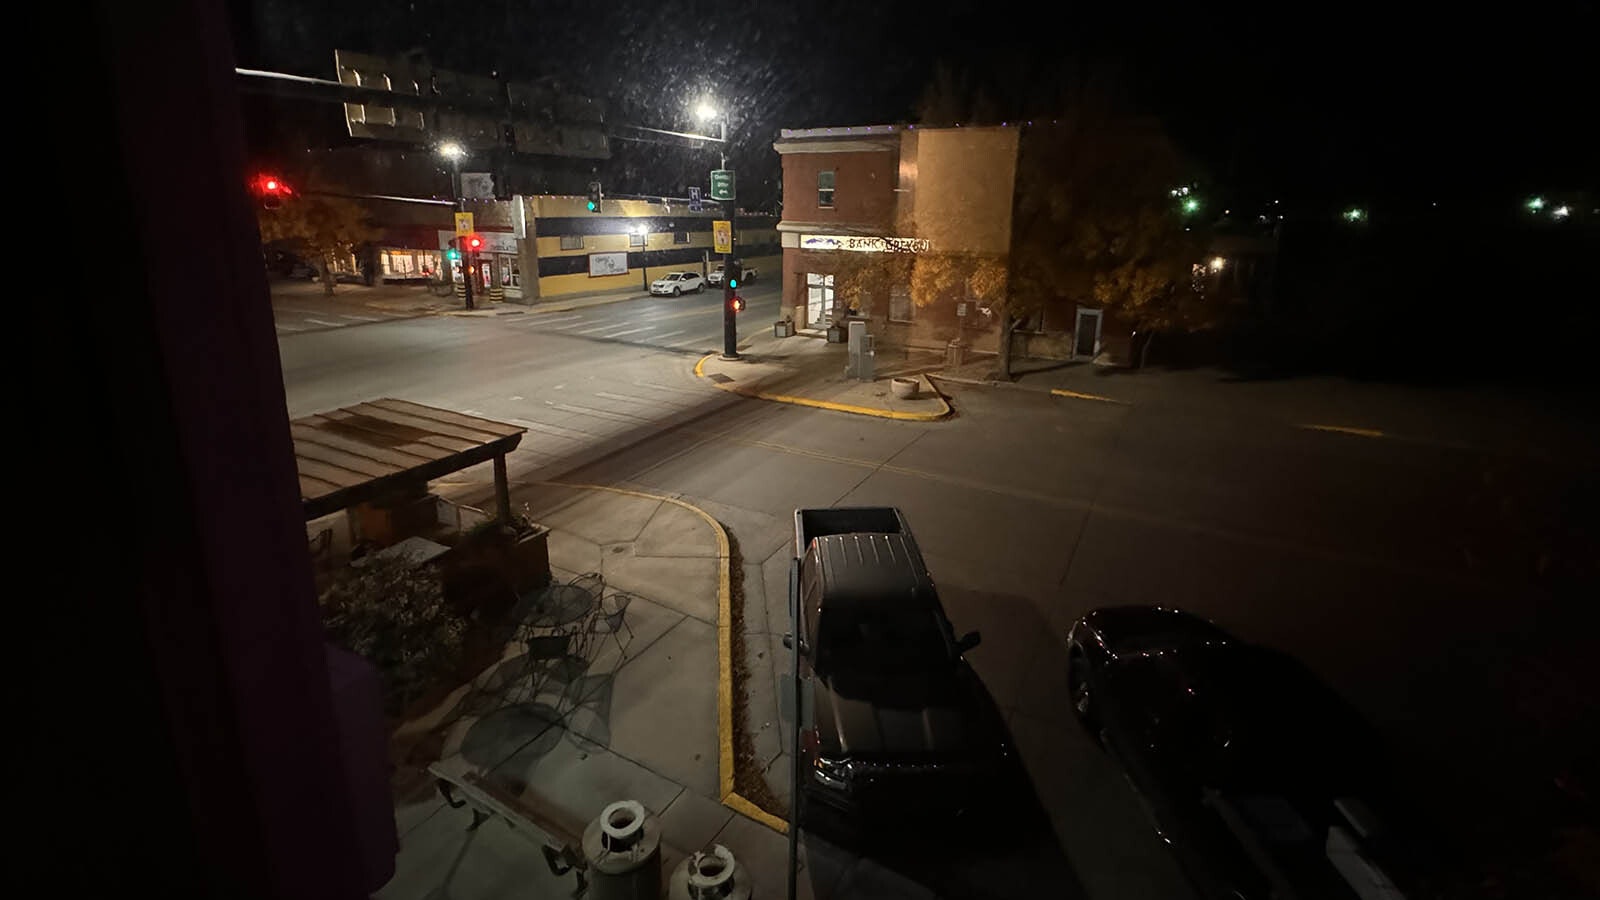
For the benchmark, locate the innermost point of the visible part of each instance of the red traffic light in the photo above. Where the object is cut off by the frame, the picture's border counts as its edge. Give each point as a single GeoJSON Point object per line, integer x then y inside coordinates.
{"type": "Point", "coordinates": [473, 243]}
{"type": "Point", "coordinates": [269, 189]}
{"type": "Point", "coordinates": [738, 303]}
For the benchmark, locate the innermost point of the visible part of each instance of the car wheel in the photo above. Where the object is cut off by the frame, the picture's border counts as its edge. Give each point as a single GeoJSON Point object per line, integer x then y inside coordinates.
{"type": "Point", "coordinates": [699, 289]}
{"type": "Point", "coordinates": [677, 292]}
{"type": "Point", "coordinates": [1080, 690]}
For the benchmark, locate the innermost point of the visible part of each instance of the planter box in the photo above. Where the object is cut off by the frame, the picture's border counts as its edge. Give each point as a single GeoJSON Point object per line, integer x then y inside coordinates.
{"type": "Point", "coordinates": [529, 560]}
{"type": "Point", "coordinates": [782, 329]}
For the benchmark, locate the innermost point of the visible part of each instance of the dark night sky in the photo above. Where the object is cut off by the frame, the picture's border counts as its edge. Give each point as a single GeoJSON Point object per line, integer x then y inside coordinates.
{"type": "Point", "coordinates": [1323, 104]}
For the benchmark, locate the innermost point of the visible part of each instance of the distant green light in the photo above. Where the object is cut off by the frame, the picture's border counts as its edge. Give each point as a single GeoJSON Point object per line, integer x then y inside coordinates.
{"type": "Point", "coordinates": [1535, 204]}
{"type": "Point", "coordinates": [1355, 214]}
{"type": "Point", "coordinates": [591, 206]}
{"type": "Point", "coordinates": [1191, 205]}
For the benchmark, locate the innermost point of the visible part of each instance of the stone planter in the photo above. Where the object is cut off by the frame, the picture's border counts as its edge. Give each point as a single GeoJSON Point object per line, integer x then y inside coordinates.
{"type": "Point", "coordinates": [782, 329]}
{"type": "Point", "coordinates": [528, 562]}
{"type": "Point", "coordinates": [904, 388]}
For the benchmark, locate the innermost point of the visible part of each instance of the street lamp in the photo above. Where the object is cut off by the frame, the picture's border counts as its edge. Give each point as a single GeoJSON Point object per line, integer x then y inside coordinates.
{"type": "Point", "coordinates": [644, 268]}
{"type": "Point", "coordinates": [455, 153]}
{"type": "Point", "coordinates": [705, 112]}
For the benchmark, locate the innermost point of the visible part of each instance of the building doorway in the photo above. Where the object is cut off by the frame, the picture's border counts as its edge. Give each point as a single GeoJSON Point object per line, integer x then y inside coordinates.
{"type": "Point", "coordinates": [819, 299]}
{"type": "Point", "coordinates": [1086, 339]}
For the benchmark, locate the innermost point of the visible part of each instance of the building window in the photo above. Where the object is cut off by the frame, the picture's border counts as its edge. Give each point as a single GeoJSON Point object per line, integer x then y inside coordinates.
{"type": "Point", "coordinates": [900, 304]}
{"type": "Point", "coordinates": [572, 242]}
{"type": "Point", "coordinates": [1032, 322]}
{"type": "Point", "coordinates": [635, 240]}
{"type": "Point", "coordinates": [680, 237]}
{"type": "Point", "coordinates": [510, 272]}
{"type": "Point", "coordinates": [825, 189]}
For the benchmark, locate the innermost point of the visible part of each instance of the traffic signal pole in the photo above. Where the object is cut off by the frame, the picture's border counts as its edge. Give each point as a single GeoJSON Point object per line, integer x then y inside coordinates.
{"type": "Point", "coordinates": [466, 256]}
{"type": "Point", "coordinates": [732, 277]}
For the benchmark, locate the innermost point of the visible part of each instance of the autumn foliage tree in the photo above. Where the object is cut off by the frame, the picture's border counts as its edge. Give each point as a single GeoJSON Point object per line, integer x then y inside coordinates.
{"type": "Point", "coordinates": [320, 228]}
{"type": "Point", "coordinates": [1094, 219]}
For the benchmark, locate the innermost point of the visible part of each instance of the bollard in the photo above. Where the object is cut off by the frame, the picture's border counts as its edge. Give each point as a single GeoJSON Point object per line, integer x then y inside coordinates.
{"type": "Point", "coordinates": [623, 851]}
{"type": "Point", "coordinates": [710, 875]}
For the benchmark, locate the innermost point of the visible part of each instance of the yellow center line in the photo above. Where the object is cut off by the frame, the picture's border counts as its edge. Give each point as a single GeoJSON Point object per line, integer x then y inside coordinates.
{"type": "Point", "coordinates": [1080, 396]}
{"type": "Point", "coordinates": [1345, 429]}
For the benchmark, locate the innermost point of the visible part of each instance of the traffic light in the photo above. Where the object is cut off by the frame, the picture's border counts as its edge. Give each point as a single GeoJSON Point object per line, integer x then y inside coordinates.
{"type": "Point", "coordinates": [737, 303]}
{"type": "Point", "coordinates": [735, 274]}
{"type": "Point", "coordinates": [270, 190]}
{"type": "Point", "coordinates": [452, 254]}
{"type": "Point", "coordinates": [473, 243]}
{"type": "Point", "coordinates": [595, 196]}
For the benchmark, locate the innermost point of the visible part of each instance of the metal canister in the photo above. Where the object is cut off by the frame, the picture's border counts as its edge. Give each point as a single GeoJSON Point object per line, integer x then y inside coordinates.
{"type": "Point", "coordinates": [710, 875]}
{"type": "Point", "coordinates": [623, 851]}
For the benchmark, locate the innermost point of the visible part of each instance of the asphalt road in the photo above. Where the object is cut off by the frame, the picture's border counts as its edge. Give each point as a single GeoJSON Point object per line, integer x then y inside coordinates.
{"type": "Point", "coordinates": [1428, 565]}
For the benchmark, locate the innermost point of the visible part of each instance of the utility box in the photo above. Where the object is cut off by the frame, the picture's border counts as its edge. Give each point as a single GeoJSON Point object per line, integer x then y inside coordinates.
{"type": "Point", "coordinates": [862, 353]}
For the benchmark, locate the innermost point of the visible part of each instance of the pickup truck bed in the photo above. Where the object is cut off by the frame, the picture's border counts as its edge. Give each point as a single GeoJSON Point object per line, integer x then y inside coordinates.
{"type": "Point", "coordinates": [814, 523]}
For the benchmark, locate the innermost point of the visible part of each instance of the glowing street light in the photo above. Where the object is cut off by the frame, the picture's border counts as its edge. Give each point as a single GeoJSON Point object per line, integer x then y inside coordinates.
{"type": "Point", "coordinates": [1560, 212]}
{"type": "Point", "coordinates": [452, 151]}
{"type": "Point", "coordinates": [1191, 205]}
{"type": "Point", "coordinates": [1218, 263]}
{"type": "Point", "coordinates": [1535, 204]}
{"type": "Point", "coordinates": [704, 111]}
{"type": "Point", "coordinates": [1355, 214]}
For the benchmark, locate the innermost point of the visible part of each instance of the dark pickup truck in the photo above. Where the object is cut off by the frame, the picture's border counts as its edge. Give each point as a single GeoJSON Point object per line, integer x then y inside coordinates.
{"type": "Point", "coordinates": [893, 720]}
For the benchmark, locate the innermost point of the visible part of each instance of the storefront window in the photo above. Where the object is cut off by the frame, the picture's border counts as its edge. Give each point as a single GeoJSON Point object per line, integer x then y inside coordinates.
{"type": "Point", "coordinates": [900, 305]}
{"type": "Point", "coordinates": [510, 272]}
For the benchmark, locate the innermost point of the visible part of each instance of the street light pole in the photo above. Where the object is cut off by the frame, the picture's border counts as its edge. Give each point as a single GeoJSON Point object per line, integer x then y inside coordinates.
{"type": "Point", "coordinates": [730, 320]}
{"type": "Point", "coordinates": [453, 152]}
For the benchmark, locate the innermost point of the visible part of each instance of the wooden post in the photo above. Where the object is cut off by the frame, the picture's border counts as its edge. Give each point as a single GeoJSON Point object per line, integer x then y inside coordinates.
{"type": "Point", "coordinates": [502, 489]}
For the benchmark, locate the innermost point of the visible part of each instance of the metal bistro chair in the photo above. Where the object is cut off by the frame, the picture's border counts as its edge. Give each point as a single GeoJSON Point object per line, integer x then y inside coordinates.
{"type": "Point", "coordinates": [611, 618]}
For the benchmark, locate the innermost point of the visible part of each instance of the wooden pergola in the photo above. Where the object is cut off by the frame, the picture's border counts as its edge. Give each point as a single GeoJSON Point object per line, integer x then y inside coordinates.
{"type": "Point", "coordinates": [358, 453]}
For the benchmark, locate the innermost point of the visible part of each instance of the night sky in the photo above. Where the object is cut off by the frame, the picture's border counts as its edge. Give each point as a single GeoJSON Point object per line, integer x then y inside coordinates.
{"type": "Point", "coordinates": [1320, 104]}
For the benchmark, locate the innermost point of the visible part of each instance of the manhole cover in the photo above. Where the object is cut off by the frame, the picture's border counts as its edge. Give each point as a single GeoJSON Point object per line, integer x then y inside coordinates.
{"type": "Point", "coordinates": [719, 378]}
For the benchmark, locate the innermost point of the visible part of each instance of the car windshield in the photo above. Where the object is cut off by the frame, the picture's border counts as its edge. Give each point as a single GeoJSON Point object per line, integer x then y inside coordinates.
{"type": "Point", "coordinates": [881, 640]}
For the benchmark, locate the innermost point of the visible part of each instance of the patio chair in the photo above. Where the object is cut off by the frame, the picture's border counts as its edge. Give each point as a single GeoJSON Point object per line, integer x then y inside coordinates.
{"type": "Point", "coordinates": [611, 617]}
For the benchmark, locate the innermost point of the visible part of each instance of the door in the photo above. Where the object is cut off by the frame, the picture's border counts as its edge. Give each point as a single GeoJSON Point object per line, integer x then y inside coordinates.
{"type": "Point", "coordinates": [819, 299]}
{"type": "Point", "coordinates": [1086, 339]}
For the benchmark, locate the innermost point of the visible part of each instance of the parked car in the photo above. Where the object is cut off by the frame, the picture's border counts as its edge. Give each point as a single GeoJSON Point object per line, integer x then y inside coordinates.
{"type": "Point", "coordinates": [750, 273]}
{"type": "Point", "coordinates": [1261, 779]}
{"type": "Point", "coordinates": [895, 724]}
{"type": "Point", "coordinates": [675, 283]}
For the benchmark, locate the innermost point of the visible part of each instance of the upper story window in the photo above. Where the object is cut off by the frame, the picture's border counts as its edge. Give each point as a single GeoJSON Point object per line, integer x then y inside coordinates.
{"type": "Point", "coordinates": [572, 242]}
{"type": "Point", "coordinates": [825, 189]}
{"type": "Point", "coordinates": [680, 237]}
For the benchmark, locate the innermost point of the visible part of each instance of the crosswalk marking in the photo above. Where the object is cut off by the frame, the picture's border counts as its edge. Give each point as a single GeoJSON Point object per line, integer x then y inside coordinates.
{"type": "Point", "coordinates": [617, 334]}
{"type": "Point", "coordinates": [360, 318]}
{"type": "Point", "coordinates": [325, 324]}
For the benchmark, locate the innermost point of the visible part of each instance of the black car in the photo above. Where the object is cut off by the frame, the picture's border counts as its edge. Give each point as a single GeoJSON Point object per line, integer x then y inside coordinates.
{"type": "Point", "coordinates": [1261, 779]}
{"type": "Point", "coordinates": [898, 723]}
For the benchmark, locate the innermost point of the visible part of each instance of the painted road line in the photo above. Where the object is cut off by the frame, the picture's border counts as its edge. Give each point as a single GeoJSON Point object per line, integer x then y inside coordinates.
{"type": "Point", "coordinates": [624, 398]}
{"type": "Point", "coordinates": [670, 334]}
{"type": "Point", "coordinates": [1081, 396]}
{"type": "Point", "coordinates": [549, 320]}
{"type": "Point", "coordinates": [326, 324]}
{"type": "Point", "coordinates": [1345, 429]}
{"type": "Point", "coordinates": [281, 327]}
{"type": "Point", "coordinates": [602, 413]}
{"type": "Point", "coordinates": [593, 329]}
{"type": "Point", "coordinates": [360, 318]}
{"type": "Point", "coordinates": [667, 387]}
{"type": "Point", "coordinates": [874, 411]}
{"type": "Point", "coordinates": [617, 334]}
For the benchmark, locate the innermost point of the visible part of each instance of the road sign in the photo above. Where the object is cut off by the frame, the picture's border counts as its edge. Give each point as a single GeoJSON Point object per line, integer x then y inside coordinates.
{"type": "Point", "coordinates": [722, 235]}
{"type": "Point", "coordinates": [464, 223]}
{"type": "Point", "coordinates": [694, 199]}
{"type": "Point", "coordinates": [722, 184]}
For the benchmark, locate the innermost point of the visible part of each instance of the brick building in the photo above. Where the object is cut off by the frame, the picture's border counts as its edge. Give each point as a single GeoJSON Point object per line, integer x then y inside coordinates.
{"type": "Point", "coordinates": [869, 211]}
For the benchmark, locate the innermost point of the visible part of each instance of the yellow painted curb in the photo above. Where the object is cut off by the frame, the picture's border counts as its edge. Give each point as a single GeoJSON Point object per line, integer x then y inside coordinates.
{"type": "Point", "coordinates": [1345, 429]}
{"type": "Point", "coordinates": [1077, 396]}
{"type": "Point", "coordinates": [945, 410]}
{"type": "Point", "coordinates": [725, 789]}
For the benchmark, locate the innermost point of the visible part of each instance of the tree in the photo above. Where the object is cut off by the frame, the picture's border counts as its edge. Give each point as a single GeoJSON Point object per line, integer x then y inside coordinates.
{"type": "Point", "coordinates": [1094, 218]}
{"type": "Point", "coordinates": [320, 228]}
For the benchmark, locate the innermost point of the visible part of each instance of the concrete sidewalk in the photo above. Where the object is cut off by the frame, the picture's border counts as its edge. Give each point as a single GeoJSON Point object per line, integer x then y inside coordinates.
{"type": "Point", "coordinates": [1075, 379]}
{"type": "Point", "coordinates": [640, 721]}
{"type": "Point", "coordinates": [807, 371]}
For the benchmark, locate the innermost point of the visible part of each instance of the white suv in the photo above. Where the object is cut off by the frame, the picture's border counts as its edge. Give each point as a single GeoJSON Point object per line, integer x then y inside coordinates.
{"type": "Point", "coordinates": [675, 283]}
{"type": "Point", "coordinates": [715, 277]}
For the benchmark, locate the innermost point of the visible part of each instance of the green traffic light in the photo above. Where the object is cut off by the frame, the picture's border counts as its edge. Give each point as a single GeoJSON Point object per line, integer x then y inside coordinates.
{"type": "Point", "coordinates": [591, 206]}
{"type": "Point", "coordinates": [1191, 205]}
{"type": "Point", "coordinates": [733, 282]}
